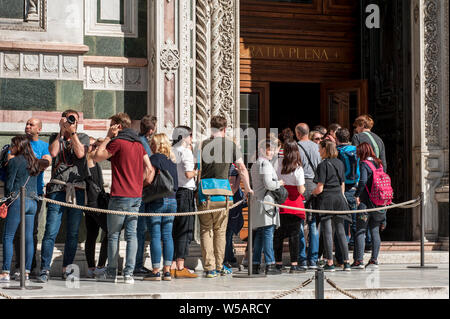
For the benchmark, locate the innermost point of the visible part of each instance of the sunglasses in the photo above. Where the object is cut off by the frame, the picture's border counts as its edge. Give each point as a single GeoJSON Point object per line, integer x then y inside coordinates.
{"type": "Point", "coordinates": [317, 139]}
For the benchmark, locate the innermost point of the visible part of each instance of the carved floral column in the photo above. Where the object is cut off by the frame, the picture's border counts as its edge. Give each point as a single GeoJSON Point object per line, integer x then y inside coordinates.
{"type": "Point", "coordinates": [430, 107]}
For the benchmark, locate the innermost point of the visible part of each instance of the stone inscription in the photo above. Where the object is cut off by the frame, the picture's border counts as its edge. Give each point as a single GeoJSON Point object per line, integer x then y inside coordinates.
{"type": "Point", "coordinates": [293, 53]}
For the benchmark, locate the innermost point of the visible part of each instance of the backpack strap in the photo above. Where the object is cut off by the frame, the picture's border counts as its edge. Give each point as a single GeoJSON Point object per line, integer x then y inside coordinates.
{"type": "Point", "coordinates": [374, 143]}
{"type": "Point", "coordinates": [370, 164]}
{"type": "Point", "coordinates": [309, 159]}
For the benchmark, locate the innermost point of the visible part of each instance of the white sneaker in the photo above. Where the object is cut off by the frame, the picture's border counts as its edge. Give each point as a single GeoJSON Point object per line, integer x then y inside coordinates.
{"type": "Point", "coordinates": [128, 279]}
{"type": "Point", "coordinates": [99, 271]}
{"type": "Point", "coordinates": [5, 278]}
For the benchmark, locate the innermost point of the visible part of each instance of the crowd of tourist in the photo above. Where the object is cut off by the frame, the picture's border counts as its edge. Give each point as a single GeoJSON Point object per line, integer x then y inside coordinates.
{"type": "Point", "coordinates": [154, 173]}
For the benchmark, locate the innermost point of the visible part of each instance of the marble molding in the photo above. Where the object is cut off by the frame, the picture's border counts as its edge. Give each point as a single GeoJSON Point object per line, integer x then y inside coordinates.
{"type": "Point", "coordinates": [36, 65]}
{"type": "Point", "coordinates": [115, 78]}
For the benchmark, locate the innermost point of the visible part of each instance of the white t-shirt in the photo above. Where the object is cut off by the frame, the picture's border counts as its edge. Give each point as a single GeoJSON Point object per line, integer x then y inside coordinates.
{"type": "Point", "coordinates": [185, 163]}
{"type": "Point", "coordinates": [295, 178]}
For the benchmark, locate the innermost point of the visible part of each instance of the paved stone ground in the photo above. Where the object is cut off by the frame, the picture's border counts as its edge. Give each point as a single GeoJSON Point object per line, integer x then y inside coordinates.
{"type": "Point", "coordinates": [389, 281]}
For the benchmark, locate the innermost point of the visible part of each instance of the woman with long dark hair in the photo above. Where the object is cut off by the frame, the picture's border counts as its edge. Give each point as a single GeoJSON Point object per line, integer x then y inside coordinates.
{"type": "Point", "coordinates": [22, 170]}
{"type": "Point", "coordinates": [330, 179]}
{"type": "Point", "coordinates": [290, 171]}
{"type": "Point", "coordinates": [371, 220]}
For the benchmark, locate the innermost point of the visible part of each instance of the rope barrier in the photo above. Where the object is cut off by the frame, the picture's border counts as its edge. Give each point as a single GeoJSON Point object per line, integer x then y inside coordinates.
{"type": "Point", "coordinates": [342, 291]}
{"type": "Point", "coordinates": [413, 201]}
{"type": "Point", "coordinates": [302, 285]}
{"type": "Point", "coordinates": [5, 296]}
{"type": "Point", "coordinates": [115, 212]}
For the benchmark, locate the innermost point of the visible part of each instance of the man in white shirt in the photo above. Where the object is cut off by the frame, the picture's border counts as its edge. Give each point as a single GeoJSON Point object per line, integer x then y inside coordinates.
{"type": "Point", "coordinates": [183, 226]}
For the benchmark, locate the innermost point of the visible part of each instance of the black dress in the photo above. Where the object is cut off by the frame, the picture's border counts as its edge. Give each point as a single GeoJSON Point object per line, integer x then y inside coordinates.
{"type": "Point", "coordinates": [331, 173]}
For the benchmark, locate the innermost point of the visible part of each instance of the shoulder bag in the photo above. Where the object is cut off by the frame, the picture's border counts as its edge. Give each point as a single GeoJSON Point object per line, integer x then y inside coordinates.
{"type": "Point", "coordinates": [7, 203]}
{"type": "Point", "coordinates": [161, 186]}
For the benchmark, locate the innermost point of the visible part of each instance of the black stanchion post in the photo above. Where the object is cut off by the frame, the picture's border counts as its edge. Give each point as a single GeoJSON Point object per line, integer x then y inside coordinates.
{"type": "Point", "coordinates": [249, 248]}
{"type": "Point", "coordinates": [422, 237]}
{"type": "Point", "coordinates": [22, 237]}
{"type": "Point", "coordinates": [320, 285]}
{"type": "Point", "coordinates": [22, 286]}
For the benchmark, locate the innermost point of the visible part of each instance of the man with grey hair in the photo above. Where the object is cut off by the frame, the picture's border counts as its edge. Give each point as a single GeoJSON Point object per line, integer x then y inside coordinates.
{"type": "Point", "coordinates": [310, 156]}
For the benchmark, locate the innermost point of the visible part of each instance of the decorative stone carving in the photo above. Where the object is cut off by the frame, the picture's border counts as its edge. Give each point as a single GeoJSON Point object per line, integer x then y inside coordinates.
{"type": "Point", "coordinates": [31, 63]}
{"type": "Point", "coordinates": [32, 14]}
{"type": "Point", "coordinates": [432, 65]}
{"type": "Point", "coordinates": [35, 17]}
{"type": "Point", "coordinates": [132, 76]}
{"type": "Point", "coordinates": [51, 63]}
{"type": "Point", "coordinates": [96, 75]}
{"type": "Point", "coordinates": [12, 62]}
{"type": "Point", "coordinates": [170, 59]}
{"type": "Point", "coordinates": [70, 64]}
{"type": "Point", "coordinates": [115, 78]}
{"type": "Point", "coordinates": [203, 108]}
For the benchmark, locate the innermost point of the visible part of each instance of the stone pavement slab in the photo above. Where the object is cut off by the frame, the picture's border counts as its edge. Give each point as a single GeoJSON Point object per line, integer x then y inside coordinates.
{"type": "Point", "coordinates": [389, 281]}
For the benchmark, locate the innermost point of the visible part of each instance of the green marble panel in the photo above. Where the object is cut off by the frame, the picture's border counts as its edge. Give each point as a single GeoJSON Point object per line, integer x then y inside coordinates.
{"type": "Point", "coordinates": [91, 42]}
{"type": "Point", "coordinates": [70, 95]}
{"type": "Point", "coordinates": [11, 9]}
{"type": "Point", "coordinates": [135, 104]}
{"type": "Point", "coordinates": [88, 104]}
{"type": "Point", "coordinates": [120, 101]}
{"type": "Point", "coordinates": [109, 46]}
{"type": "Point", "coordinates": [27, 94]}
{"type": "Point", "coordinates": [104, 104]}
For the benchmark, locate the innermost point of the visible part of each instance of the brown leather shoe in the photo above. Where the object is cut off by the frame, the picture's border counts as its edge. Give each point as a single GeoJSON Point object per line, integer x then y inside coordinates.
{"type": "Point", "coordinates": [184, 273]}
{"type": "Point", "coordinates": [172, 273]}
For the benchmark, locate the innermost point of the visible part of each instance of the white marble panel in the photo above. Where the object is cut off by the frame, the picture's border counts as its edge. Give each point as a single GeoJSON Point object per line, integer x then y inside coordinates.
{"type": "Point", "coordinates": [110, 9]}
{"type": "Point", "coordinates": [115, 78]}
{"type": "Point", "coordinates": [64, 24]}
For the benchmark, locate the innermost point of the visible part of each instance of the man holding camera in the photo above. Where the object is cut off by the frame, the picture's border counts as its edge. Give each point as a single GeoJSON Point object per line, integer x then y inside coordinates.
{"type": "Point", "coordinates": [67, 184]}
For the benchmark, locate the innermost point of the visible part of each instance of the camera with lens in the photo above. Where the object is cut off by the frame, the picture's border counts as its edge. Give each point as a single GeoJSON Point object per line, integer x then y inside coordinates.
{"type": "Point", "coordinates": [71, 119]}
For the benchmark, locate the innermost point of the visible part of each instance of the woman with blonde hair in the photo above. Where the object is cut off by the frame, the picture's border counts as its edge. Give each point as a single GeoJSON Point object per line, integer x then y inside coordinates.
{"type": "Point", "coordinates": [160, 227]}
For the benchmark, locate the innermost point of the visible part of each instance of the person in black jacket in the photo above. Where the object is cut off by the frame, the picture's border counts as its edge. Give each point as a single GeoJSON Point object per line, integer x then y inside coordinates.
{"type": "Point", "coordinates": [96, 198]}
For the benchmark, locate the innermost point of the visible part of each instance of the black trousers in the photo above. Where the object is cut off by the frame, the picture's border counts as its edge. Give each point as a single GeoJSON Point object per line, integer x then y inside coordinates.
{"type": "Point", "coordinates": [35, 239]}
{"type": "Point", "coordinates": [289, 228]}
{"type": "Point", "coordinates": [93, 224]}
{"type": "Point", "coordinates": [183, 226]}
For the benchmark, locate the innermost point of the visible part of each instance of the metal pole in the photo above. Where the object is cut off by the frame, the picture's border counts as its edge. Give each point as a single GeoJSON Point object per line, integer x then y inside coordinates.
{"type": "Point", "coordinates": [250, 273]}
{"type": "Point", "coordinates": [422, 232]}
{"type": "Point", "coordinates": [422, 236]}
{"type": "Point", "coordinates": [250, 240]}
{"type": "Point", "coordinates": [22, 237]}
{"type": "Point", "coordinates": [320, 285]}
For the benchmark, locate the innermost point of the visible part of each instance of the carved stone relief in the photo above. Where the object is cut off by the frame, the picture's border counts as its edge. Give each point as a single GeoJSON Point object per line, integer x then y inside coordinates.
{"type": "Point", "coordinates": [432, 75]}
{"type": "Point", "coordinates": [170, 59]}
{"type": "Point", "coordinates": [115, 78]}
{"type": "Point", "coordinates": [34, 65]}
{"type": "Point", "coordinates": [34, 19]}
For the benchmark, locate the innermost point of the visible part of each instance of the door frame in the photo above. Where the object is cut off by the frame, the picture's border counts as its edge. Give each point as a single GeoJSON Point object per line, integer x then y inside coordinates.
{"type": "Point", "coordinates": [358, 86]}
{"type": "Point", "coordinates": [263, 89]}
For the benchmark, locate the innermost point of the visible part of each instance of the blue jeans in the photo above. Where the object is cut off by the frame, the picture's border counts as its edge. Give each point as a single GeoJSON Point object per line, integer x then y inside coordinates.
{"type": "Point", "coordinates": [53, 223]}
{"type": "Point", "coordinates": [264, 242]}
{"type": "Point", "coordinates": [115, 224]}
{"type": "Point", "coordinates": [313, 241]}
{"type": "Point", "coordinates": [160, 227]}
{"type": "Point", "coordinates": [141, 230]}
{"type": "Point", "coordinates": [11, 224]}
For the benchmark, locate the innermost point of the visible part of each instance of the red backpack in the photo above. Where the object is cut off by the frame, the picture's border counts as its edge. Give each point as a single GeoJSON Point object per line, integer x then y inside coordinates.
{"type": "Point", "coordinates": [381, 193]}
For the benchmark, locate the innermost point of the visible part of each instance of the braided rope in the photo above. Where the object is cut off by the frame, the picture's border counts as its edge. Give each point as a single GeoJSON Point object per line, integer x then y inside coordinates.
{"type": "Point", "coordinates": [342, 291]}
{"type": "Point", "coordinates": [302, 285]}
{"type": "Point", "coordinates": [5, 296]}
{"type": "Point", "coordinates": [413, 201]}
{"type": "Point", "coordinates": [115, 212]}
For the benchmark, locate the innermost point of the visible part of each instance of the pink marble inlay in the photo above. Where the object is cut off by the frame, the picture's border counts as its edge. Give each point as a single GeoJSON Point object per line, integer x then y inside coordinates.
{"type": "Point", "coordinates": [96, 125]}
